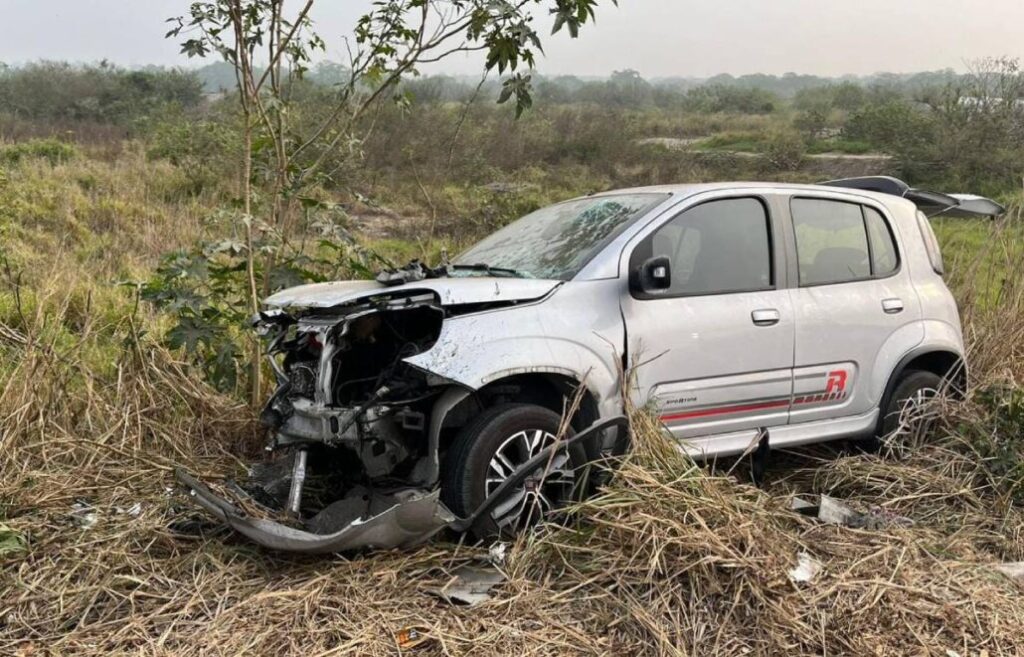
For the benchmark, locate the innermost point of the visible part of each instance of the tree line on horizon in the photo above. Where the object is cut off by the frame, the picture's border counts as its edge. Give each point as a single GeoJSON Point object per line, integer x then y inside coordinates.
{"type": "Point", "coordinates": [107, 92]}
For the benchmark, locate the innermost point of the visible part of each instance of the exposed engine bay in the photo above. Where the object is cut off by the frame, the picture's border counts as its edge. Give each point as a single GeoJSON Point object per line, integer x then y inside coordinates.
{"type": "Point", "coordinates": [342, 381]}
{"type": "Point", "coordinates": [348, 422]}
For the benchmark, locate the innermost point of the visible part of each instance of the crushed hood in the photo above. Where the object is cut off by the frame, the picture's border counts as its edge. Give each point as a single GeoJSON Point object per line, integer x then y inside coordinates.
{"type": "Point", "coordinates": [449, 291]}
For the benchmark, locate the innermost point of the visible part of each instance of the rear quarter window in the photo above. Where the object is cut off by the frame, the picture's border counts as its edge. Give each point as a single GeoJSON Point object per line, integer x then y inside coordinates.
{"type": "Point", "coordinates": [884, 258]}
{"type": "Point", "coordinates": [931, 244]}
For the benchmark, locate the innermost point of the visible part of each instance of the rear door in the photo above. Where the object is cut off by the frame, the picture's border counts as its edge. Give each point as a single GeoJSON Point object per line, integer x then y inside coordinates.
{"type": "Point", "coordinates": [714, 352]}
{"type": "Point", "coordinates": [854, 304]}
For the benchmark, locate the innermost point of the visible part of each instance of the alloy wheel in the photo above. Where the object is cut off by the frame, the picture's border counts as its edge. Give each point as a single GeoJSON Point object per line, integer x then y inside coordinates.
{"type": "Point", "coordinates": [545, 490]}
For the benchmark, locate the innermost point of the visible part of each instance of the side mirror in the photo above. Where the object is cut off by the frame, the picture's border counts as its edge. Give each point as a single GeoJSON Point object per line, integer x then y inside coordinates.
{"type": "Point", "coordinates": [654, 275]}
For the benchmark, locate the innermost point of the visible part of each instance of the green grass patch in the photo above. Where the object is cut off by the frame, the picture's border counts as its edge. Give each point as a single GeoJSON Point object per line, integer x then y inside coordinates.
{"type": "Point", "coordinates": [52, 150]}
{"type": "Point", "coordinates": [843, 146]}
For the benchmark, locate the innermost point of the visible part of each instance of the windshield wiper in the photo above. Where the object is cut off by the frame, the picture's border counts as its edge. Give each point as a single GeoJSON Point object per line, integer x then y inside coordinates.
{"type": "Point", "coordinates": [492, 271]}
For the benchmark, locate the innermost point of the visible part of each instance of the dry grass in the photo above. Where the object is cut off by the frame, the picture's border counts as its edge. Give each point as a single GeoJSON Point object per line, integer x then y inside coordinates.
{"type": "Point", "coordinates": [669, 559]}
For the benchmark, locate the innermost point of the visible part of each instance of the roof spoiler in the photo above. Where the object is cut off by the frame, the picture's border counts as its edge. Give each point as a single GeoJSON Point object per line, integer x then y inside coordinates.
{"type": "Point", "coordinates": [931, 203]}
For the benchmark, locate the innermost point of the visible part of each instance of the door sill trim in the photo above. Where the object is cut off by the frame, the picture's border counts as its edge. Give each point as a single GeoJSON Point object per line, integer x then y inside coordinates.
{"type": "Point", "coordinates": [790, 435]}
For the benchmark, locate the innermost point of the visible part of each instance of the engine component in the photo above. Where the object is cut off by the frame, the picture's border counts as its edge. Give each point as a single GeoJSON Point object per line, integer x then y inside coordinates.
{"type": "Point", "coordinates": [298, 479]}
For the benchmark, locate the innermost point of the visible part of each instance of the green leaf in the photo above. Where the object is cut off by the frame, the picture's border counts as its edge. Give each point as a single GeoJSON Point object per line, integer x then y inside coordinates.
{"type": "Point", "coordinates": [11, 542]}
{"type": "Point", "coordinates": [190, 333]}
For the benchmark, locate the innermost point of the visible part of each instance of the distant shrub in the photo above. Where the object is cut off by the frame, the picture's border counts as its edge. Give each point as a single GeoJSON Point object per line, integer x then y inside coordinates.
{"type": "Point", "coordinates": [200, 149]}
{"type": "Point", "coordinates": [101, 93]}
{"type": "Point", "coordinates": [785, 150]}
{"type": "Point", "coordinates": [812, 121]}
{"type": "Point", "coordinates": [894, 126]}
{"type": "Point", "coordinates": [721, 98]}
{"type": "Point", "coordinates": [52, 150]}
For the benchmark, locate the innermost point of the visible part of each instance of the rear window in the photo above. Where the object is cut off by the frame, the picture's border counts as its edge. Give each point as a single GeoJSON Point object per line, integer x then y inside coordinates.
{"type": "Point", "coordinates": [840, 242]}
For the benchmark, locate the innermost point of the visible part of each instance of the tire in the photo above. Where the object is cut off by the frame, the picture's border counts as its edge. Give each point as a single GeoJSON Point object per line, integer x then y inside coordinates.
{"type": "Point", "coordinates": [914, 384]}
{"type": "Point", "coordinates": [472, 468]}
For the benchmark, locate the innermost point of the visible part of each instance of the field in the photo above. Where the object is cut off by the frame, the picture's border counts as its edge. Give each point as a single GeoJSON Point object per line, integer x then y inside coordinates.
{"type": "Point", "coordinates": [100, 554]}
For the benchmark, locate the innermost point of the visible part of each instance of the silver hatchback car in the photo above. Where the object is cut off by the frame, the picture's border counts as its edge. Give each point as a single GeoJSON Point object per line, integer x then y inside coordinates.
{"type": "Point", "coordinates": [737, 312]}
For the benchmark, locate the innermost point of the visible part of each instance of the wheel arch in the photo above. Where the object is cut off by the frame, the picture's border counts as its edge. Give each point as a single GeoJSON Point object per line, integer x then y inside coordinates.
{"type": "Point", "coordinates": [548, 389]}
{"type": "Point", "coordinates": [945, 363]}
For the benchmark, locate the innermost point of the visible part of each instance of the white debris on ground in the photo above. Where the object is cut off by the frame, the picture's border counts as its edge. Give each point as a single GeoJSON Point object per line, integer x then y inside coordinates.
{"type": "Point", "coordinates": [497, 552]}
{"type": "Point", "coordinates": [1014, 571]}
{"type": "Point", "coordinates": [807, 568]}
{"type": "Point", "coordinates": [133, 511]}
{"type": "Point", "coordinates": [470, 585]}
{"type": "Point", "coordinates": [831, 511]}
{"type": "Point", "coordinates": [84, 515]}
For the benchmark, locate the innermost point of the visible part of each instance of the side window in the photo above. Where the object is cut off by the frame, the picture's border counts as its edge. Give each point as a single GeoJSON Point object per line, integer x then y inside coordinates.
{"type": "Point", "coordinates": [884, 260]}
{"type": "Point", "coordinates": [716, 247]}
{"type": "Point", "coordinates": [931, 244]}
{"type": "Point", "coordinates": [837, 242]}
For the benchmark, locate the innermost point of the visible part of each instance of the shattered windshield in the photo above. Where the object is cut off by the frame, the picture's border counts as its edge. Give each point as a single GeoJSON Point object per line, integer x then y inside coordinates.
{"type": "Point", "coordinates": [555, 242]}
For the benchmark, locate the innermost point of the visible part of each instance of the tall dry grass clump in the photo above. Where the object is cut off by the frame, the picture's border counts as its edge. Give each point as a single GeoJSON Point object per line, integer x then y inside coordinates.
{"type": "Point", "coordinates": [985, 264]}
{"type": "Point", "coordinates": [987, 276]}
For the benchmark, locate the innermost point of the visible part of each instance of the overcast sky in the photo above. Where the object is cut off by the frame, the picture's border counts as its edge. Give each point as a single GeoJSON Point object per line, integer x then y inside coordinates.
{"type": "Point", "coordinates": [655, 37]}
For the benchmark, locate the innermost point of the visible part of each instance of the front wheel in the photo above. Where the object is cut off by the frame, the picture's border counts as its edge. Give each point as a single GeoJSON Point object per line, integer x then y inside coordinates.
{"type": "Point", "coordinates": [489, 449]}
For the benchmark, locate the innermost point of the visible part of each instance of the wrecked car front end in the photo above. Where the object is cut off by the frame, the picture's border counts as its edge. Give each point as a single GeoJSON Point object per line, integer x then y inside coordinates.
{"type": "Point", "coordinates": [343, 381]}
{"type": "Point", "coordinates": [496, 362]}
{"type": "Point", "coordinates": [347, 423]}
{"type": "Point", "coordinates": [354, 421]}
{"type": "Point", "coordinates": [351, 415]}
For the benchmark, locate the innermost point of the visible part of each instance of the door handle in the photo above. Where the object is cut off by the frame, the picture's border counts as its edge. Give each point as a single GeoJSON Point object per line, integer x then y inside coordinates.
{"type": "Point", "coordinates": [892, 306]}
{"type": "Point", "coordinates": [765, 317]}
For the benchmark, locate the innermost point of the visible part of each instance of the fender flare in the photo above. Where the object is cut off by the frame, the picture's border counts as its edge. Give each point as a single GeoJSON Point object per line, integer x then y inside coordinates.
{"type": "Point", "coordinates": [901, 367]}
{"type": "Point", "coordinates": [428, 469]}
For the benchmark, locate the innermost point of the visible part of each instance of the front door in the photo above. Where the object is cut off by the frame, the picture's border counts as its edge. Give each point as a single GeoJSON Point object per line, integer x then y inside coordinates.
{"type": "Point", "coordinates": [713, 351]}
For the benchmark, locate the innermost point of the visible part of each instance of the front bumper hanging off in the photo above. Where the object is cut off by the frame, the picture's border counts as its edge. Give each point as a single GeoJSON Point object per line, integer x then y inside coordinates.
{"type": "Point", "coordinates": [408, 517]}
{"type": "Point", "coordinates": [408, 522]}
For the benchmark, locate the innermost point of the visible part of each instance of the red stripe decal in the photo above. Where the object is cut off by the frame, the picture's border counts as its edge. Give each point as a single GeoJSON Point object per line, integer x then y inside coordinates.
{"type": "Point", "coordinates": [814, 399]}
{"type": "Point", "coordinates": [725, 410]}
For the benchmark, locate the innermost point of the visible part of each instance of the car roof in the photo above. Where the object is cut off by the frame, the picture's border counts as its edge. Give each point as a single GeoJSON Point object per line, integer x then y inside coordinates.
{"type": "Point", "coordinates": [683, 190]}
{"type": "Point", "coordinates": [604, 266]}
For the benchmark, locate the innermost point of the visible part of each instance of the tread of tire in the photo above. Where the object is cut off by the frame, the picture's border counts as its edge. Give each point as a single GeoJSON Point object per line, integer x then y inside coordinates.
{"type": "Point", "coordinates": [904, 378]}
{"type": "Point", "coordinates": [453, 481]}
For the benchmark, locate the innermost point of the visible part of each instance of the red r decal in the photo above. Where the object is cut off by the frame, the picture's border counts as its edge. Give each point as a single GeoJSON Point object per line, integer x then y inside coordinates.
{"type": "Point", "coordinates": [836, 381]}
